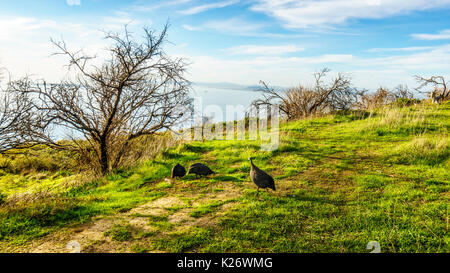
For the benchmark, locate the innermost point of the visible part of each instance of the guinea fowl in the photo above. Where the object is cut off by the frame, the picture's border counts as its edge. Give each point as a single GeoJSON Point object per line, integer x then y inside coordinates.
{"type": "Point", "coordinates": [261, 178]}
{"type": "Point", "coordinates": [178, 171]}
{"type": "Point", "coordinates": [200, 170]}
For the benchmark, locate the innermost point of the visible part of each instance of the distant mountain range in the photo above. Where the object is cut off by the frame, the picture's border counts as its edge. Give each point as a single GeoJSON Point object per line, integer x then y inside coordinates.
{"type": "Point", "coordinates": [234, 86]}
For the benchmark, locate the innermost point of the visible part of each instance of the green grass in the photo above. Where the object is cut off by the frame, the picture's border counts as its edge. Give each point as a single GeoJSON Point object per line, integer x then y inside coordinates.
{"type": "Point", "coordinates": [120, 233]}
{"type": "Point", "coordinates": [342, 181]}
{"type": "Point", "coordinates": [207, 208]}
{"type": "Point", "coordinates": [184, 241]}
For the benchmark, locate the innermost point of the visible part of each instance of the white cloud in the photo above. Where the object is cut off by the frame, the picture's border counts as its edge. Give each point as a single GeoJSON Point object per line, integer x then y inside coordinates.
{"type": "Point", "coordinates": [327, 13]}
{"type": "Point", "coordinates": [282, 71]}
{"type": "Point", "coordinates": [190, 28]}
{"type": "Point", "coordinates": [118, 20]}
{"type": "Point", "coordinates": [239, 27]}
{"type": "Point", "coordinates": [331, 58]}
{"type": "Point", "coordinates": [441, 35]}
{"type": "Point", "coordinates": [25, 50]}
{"type": "Point", "coordinates": [400, 49]}
{"type": "Point", "coordinates": [263, 50]}
{"type": "Point", "coordinates": [26, 46]}
{"type": "Point", "coordinates": [438, 58]}
{"type": "Point", "coordinates": [73, 2]}
{"type": "Point", "coordinates": [232, 26]}
{"type": "Point", "coordinates": [202, 8]}
{"type": "Point", "coordinates": [367, 72]}
{"type": "Point", "coordinates": [162, 4]}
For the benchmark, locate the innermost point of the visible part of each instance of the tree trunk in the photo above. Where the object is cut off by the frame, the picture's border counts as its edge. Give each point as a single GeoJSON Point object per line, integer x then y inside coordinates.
{"type": "Point", "coordinates": [104, 158]}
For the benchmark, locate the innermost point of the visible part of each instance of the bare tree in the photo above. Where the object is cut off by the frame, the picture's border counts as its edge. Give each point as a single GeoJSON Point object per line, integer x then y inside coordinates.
{"type": "Point", "coordinates": [304, 101]}
{"type": "Point", "coordinates": [17, 117]}
{"type": "Point", "coordinates": [10, 119]}
{"type": "Point", "coordinates": [441, 91]}
{"type": "Point", "coordinates": [402, 92]}
{"type": "Point", "coordinates": [136, 92]}
{"type": "Point", "coordinates": [370, 101]}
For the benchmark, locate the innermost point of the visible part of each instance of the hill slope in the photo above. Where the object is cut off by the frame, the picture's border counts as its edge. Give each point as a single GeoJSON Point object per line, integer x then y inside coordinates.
{"type": "Point", "coordinates": [342, 181]}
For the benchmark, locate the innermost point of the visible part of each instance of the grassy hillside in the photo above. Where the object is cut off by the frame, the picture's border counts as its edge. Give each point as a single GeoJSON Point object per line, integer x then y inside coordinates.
{"type": "Point", "coordinates": [342, 181]}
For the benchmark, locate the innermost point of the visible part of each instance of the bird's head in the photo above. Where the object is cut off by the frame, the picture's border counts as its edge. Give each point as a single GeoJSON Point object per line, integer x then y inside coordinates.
{"type": "Point", "coordinates": [250, 158]}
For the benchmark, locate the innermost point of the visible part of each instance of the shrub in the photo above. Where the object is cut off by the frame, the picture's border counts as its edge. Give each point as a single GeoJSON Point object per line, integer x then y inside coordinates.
{"type": "Point", "coordinates": [39, 159]}
{"type": "Point", "coordinates": [403, 102]}
{"type": "Point", "coordinates": [304, 101]}
{"type": "Point", "coordinates": [374, 100]}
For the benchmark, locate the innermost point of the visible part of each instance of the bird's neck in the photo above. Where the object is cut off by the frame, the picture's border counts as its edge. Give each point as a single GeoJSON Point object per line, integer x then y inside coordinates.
{"type": "Point", "coordinates": [251, 162]}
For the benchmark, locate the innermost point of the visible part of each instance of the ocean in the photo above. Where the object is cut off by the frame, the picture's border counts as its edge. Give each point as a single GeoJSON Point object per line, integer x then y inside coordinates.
{"type": "Point", "coordinates": [214, 102]}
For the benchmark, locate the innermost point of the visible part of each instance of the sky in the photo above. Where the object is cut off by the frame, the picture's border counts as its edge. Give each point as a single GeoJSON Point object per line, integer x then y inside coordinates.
{"type": "Point", "coordinates": [282, 42]}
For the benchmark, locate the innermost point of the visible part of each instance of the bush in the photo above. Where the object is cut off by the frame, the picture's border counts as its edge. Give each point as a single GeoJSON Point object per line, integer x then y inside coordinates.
{"type": "Point", "coordinates": [39, 159]}
{"type": "Point", "coordinates": [374, 100]}
{"type": "Point", "coordinates": [307, 101]}
{"type": "Point", "coordinates": [403, 102]}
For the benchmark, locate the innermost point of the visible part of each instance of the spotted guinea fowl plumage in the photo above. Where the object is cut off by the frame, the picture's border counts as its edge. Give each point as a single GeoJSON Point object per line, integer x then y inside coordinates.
{"type": "Point", "coordinates": [260, 177]}
{"type": "Point", "coordinates": [178, 171]}
{"type": "Point", "coordinates": [200, 169]}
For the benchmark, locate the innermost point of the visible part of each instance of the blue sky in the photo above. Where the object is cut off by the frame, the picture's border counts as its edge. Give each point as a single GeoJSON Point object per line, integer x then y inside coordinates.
{"type": "Point", "coordinates": [379, 42]}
